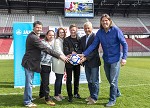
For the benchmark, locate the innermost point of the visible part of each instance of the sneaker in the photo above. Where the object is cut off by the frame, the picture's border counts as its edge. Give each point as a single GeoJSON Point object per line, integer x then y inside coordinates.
{"type": "Point", "coordinates": [118, 95]}
{"type": "Point", "coordinates": [31, 105]}
{"type": "Point", "coordinates": [50, 102]}
{"type": "Point", "coordinates": [70, 99]}
{"type": "Point", "coordinates": [41, 97]}
{"type": "Point", "coordinates": [33, 99]}
{"type": "Point", "coordinates": [77, 96]}
{"type": "Point", "coordinates": [110, 103]}
{"type": "Point", "coordinates": [57, 98]}
{"type": "Point", "coordinates": [91, 101]}
{"type": "Point", "coordinates": [87, 99]}
{"type": "Point", "coordinates": [61, 97]}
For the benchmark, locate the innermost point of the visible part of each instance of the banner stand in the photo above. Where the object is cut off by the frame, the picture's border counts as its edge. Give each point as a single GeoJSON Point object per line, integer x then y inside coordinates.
{"type": "Point", "coordinates": [20, 33]}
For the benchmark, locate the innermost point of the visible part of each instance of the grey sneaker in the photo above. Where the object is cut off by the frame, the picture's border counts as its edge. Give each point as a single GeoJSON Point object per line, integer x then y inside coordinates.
{"type": "Point", "coordinates": [31, 105]}
{"type": "Point", "coordinates": [88, 99]}
{"type": "Point", "coordinates": [110, 103]}
{"type": "Point", "coordinates": [118, 95]}
{"type": "Point", "coordinates": [77, 96]}
{"type": "Point", "coordinates": [91, 101]}
{"type": "Point", "coordinates": [62, 97]}
{"type": "Point", "coordinates": [57, 98]}
{"type": "Point", "coordinates": [33, 99]}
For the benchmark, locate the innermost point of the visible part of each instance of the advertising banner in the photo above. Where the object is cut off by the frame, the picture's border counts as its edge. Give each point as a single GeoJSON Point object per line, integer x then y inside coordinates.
{"type": "Point", "coordinates": [20, 33]}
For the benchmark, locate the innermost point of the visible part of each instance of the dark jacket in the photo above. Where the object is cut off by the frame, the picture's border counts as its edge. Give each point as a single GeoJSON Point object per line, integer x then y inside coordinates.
{"type": "Point", "coordinates": [69, 47]}
{"type": "Point", "coordinates": [32, 57]}
{"type": "Point", "coordinates": [93, 59]}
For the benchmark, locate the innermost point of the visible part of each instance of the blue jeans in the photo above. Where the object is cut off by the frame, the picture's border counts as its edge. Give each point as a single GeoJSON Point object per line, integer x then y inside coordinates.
{"type": "Point", "coordinates": [29, 75]}
{"type": "Point", "coordinates": [92, 76]}
{"type": "Point", "coordinates": [112, 73]}
{"type": "Point", "coordinates": [58, 83]}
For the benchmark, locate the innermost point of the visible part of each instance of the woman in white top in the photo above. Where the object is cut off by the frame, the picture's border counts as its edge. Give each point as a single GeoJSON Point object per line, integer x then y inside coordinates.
{"type": "Point", "coordinates": [58, 65]}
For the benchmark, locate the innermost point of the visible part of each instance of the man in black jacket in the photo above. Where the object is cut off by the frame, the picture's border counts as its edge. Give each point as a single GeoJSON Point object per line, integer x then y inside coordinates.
{"type": "Point", "coordinates": [91, 64]}
{"type": "Point", "coordinates": [32, 58]}
{"type": "Point", "coordinates": [71, 46]}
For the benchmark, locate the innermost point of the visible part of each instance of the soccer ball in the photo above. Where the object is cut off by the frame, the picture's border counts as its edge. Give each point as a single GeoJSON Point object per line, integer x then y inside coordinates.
{"type": "Point", "coordinates": [74, 59]}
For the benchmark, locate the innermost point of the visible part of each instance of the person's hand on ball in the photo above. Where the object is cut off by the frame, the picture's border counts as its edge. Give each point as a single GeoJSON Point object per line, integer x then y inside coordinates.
{"type": "Point", "coordinates": [69, 55]}
{"type": "Point", "coordinates": [81, 56]}
{"type": "Point", "coordinates": [83, 59]}
{"type": "Point", "coordinates": [73, 52]}
{"type": "Point", "coordinates": [64, 58]}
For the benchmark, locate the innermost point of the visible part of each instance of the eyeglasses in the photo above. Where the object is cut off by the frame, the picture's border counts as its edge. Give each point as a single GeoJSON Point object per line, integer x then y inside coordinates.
{"type": "Point", "coordinates": [51, 35]}
{"type": "Point", "coordinates": [61, 32]}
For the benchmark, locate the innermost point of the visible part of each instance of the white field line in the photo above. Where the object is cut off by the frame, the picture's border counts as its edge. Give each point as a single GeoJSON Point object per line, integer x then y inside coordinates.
{"type": "Point", "coordinates": [123, 86]}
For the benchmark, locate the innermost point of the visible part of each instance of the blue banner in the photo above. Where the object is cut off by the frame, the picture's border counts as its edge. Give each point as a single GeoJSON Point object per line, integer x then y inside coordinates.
{"type": "Point", "coordinates": [20, 33]}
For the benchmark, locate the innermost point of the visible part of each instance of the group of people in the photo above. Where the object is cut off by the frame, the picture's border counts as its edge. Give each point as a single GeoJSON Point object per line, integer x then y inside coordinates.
{"type": "Point", "coordinates": [41, 53]}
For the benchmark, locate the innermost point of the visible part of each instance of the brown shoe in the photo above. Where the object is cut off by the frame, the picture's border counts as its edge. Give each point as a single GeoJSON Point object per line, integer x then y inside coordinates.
{"type": "Point", "coordinates": [50, 102]}
{"type": "Point", "coordinates": [91, 101]}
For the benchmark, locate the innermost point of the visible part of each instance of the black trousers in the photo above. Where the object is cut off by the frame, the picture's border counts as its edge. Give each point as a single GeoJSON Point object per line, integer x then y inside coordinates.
{"type": "Point", "coordinates": [76, 70]}
{"type": "Point", "coordinates": [44, 87]}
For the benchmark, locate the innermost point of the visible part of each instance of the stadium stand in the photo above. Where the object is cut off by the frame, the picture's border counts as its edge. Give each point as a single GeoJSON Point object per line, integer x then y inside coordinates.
{"type": "Point", "coordinates": [133, 30]}
{"type": "Point", "coordinates": [128, 25]}
{"type": "Point", "coordinates": [146, 21]}
{"type": "Point", "coordinates": [5, 45]}
{"type": "Point", "coordinates": [78, 21]}
{"type": "Point", "coordinates": [8, 30]}
{"type": "Point", "coordinates": [131, 16]}
{"type": "Point", "coordinates": [144, 41]}
{"type": "Point", "coordinates": [134, 46]}
{"type": "Point", "coordinates": [148, 27]}
{"type": "Point", "coordinates": [95, 22]}
{"type": "Point", "coordinates": [48, 20]}
{"type": "Point", "coordinates": [126, 21]}
{"type": "Point", "coordinates": [2, 29]}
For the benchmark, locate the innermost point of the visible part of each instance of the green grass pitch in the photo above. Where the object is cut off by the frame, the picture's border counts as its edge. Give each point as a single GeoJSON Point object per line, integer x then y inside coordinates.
{"type": "Point", "coordinates": [134, 84]}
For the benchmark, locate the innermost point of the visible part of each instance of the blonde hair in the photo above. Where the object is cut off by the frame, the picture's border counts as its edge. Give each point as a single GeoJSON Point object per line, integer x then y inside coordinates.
{"type": "Point", "coordinates": [72, 25]}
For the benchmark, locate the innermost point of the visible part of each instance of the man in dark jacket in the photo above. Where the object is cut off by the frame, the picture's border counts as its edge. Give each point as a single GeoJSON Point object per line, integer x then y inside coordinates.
{"type": "Point", "coordinates": [91, 64]}
{"type": "Point", "coordinates": [32, 58]}
{"type": "Point", "coordinates": [71, 46]}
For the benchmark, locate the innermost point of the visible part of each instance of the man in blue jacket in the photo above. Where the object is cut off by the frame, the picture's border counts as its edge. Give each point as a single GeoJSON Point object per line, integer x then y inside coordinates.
{"type": "Point", "coordinates": [110, 37]}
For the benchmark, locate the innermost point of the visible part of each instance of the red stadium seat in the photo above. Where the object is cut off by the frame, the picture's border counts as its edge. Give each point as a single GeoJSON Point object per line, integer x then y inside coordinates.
{"type": "Point", "coordinates": [5, 45]}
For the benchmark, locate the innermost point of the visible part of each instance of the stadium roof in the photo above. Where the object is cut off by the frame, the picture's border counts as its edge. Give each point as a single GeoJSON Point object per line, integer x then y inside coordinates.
{"type": "Point", "coordinates": [104, 6]}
